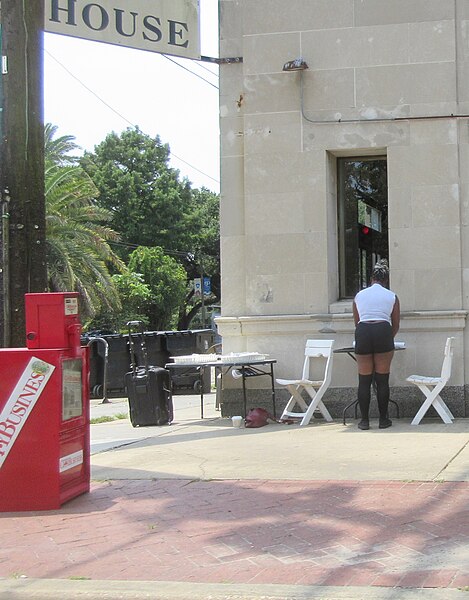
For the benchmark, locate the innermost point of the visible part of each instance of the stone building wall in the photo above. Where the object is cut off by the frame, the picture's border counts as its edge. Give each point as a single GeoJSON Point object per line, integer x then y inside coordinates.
{"type": "Point", "coordinates": [385, 79]}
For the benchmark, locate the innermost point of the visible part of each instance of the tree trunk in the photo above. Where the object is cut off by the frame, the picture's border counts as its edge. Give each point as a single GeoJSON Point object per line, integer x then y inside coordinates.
{"type": "Point", "coordinates": [22, 161]}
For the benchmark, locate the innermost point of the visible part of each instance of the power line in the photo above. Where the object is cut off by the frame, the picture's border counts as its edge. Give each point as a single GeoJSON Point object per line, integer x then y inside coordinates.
{"type": "Point", "coordinates": [198, 63]}
{"type": "Point", "coordinates": [125, 118]}
{"type": "Point", "coordinates": [90, 90]}
{"type": "Point", "coordinates": [186, 69]}
{"type": "Point", "coordinates": [186, 254]}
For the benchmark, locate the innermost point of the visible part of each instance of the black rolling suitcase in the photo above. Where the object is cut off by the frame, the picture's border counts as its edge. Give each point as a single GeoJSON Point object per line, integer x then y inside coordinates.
{"type": "Point", "coordinates": [148, 388]}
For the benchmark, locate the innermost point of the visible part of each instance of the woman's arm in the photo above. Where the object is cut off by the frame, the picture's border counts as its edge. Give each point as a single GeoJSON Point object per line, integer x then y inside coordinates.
{"type": "Point", "coordinates": [356, 316]}
{"type": "Point", "coordinates": [396, 317]}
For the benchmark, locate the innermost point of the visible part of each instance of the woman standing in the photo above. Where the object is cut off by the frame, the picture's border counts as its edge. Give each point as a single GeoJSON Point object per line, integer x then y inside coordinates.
{"type": "Point", "coordinates": [376, 312]}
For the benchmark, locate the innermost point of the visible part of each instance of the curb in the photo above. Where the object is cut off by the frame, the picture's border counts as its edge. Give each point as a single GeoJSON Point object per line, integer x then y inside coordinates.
{"type": "Point", "coordinates": [58, 589]}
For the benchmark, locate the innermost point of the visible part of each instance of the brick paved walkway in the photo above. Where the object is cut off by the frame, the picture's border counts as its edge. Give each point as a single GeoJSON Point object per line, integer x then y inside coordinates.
{"type": "Point", "coordinates": [290, 532]}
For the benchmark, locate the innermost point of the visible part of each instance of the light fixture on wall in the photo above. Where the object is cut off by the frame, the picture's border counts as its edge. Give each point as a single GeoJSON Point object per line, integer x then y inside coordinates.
{"type": "Point", "coordinates": [298, 65]}
{"type": "Point", "coordinates": [295, 65]}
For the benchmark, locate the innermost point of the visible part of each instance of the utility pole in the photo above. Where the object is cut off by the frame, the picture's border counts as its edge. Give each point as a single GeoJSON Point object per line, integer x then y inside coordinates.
{"type": "Point", "coordinates": [22, 163]}
{"type": "Point", "coordinates": [203, 291]}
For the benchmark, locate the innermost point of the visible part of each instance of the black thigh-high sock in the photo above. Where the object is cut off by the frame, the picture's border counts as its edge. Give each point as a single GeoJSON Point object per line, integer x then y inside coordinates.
{"type": "Point", "coordinates": [364, 394]}
{"type": "Point", "coordinates": [382, 393]}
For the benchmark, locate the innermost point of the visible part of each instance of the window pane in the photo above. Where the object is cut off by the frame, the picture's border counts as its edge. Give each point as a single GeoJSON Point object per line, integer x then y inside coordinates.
{"type": "Point", "coordinates": [363, 220]}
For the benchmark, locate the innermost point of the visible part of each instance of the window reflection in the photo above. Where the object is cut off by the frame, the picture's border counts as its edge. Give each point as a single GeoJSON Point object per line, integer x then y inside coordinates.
{"type": "Point", "coordinates": [362, 220]}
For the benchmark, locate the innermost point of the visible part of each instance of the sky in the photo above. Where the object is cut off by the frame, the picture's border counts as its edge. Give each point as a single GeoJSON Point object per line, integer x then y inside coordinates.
{"type": "Point", "coordinates": [92, 89]}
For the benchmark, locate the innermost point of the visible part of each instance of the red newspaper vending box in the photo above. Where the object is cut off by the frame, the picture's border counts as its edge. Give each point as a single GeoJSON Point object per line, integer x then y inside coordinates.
{"type": "Point", "coordinates": [44, 409]}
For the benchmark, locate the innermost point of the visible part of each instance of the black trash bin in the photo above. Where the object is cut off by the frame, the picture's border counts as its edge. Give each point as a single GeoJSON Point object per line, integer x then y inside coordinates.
{"type": "Point", "coordinates": [204, 340]}
{"type": "Point", "coordinates": [181, 343]}
{"type": "Point", "coordinates": [98, 367]}
{"type": "Point", "coordinates": [155, 342]}
{"type": "Point", "coordinates": [95, 364]}
{"type": "Point", "coordinates": [118, 363]}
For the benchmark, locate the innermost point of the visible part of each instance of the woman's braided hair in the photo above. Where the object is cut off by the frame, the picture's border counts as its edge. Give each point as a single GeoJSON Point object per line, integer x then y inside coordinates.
{"type": "Point", "coordinates": [380, 271]}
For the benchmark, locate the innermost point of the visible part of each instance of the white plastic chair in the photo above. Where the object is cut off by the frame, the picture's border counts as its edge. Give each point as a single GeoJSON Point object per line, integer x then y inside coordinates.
{"type": "Point", "coordinates": [315, 349]}
{"type": "Point", "coordinates": [432, 386]}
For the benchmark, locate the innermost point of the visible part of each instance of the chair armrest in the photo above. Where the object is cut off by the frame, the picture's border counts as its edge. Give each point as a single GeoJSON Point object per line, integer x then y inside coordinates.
{"type": "Point", "coordinates": [421, 379]}
{"type": "Point", "coordinates": [305, 382]}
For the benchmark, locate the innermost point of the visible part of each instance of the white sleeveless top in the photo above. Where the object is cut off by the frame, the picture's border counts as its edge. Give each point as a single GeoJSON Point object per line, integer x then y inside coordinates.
{"type": "Point", "coordinates": [375, 303]}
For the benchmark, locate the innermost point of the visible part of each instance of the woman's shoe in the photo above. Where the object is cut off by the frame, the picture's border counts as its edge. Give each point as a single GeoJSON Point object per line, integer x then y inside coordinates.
{"type": "Point", "coordinates": [385, 423]}
{"type": "Point", "coordinates": [364, 424]}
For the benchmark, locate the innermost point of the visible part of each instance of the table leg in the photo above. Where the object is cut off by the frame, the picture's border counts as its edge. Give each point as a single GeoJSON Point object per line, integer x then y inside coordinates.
{"type": "Point", "coordinates": [201, 379]}
{"type": "Point", "coordinates": [397, 407]}
{"type": "Point", "coordinates": [354, 402]}
{"type": "Point", "coordinates": [273, 390]}
{"type": "Point", "coordinates": [243, 373]}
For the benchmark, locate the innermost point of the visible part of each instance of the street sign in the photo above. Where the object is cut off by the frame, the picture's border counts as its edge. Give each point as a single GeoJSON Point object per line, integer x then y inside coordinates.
{"type": "Point", "coordinates": [197, 287]}
{"type": "Point", "coordinates": [164, 26]}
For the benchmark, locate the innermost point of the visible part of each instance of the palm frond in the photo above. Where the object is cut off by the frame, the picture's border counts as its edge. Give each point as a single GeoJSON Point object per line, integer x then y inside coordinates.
{"type": "Point", "coordinates": [78, 252]}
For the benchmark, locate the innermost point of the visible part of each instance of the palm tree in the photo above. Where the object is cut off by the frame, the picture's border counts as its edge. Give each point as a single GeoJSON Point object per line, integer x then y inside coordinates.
{"type": "Point", "coordinates": [57, 150]}
{"type": "Point", "coordinates": [78, 252]}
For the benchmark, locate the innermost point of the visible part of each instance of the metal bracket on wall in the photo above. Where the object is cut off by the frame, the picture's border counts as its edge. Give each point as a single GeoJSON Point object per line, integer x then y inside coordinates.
{"type": "Point", "coordinates": [222, 61]}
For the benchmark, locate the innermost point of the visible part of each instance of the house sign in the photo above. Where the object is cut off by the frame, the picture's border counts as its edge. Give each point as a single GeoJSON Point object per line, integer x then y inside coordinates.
{"type": "Point", "coordinates": [165, 26]}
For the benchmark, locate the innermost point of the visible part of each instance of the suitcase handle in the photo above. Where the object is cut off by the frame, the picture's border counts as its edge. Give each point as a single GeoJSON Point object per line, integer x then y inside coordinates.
{"type": "Point", "coordinates": [133, 354]}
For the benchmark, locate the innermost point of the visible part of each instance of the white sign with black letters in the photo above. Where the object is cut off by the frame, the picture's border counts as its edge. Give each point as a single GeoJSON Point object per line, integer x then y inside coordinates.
{"type": "Point", "coordinates": [165, 26]}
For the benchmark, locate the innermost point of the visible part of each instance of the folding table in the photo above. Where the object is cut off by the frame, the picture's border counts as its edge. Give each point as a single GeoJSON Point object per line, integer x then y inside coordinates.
{"type": "Point", "coordinates": [246, 370]}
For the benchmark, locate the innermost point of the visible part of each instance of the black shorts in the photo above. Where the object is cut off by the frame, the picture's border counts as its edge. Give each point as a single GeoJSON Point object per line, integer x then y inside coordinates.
{"type": "Point", "coordinates": [373, 338]}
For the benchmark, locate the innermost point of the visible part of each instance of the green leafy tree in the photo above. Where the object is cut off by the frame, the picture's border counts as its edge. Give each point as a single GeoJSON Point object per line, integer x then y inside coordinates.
{"type": "Point", "coordinates": [79, 257]}
{"type": "Point", "coordinates": [135, 298]}
{"type": "Point", "coordinates": [166, 281]}
{"type": "Point", "coordinates": [205, 260]}
{"type": "Point", "coordinates": [151, 206]}
{"type": "Point", "coordinates": [147, 201]}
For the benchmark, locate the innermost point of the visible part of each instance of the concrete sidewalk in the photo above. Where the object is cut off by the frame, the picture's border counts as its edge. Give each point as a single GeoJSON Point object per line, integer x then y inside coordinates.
{"type": "Point", "coordinates": [199, 509]}
{"type": "Point", "coordinates": [211, 448]}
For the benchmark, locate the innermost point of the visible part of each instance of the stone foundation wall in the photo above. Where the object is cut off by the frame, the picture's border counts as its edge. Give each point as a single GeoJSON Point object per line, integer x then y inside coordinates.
{"type": "Point", "coordinates": [336, 399]}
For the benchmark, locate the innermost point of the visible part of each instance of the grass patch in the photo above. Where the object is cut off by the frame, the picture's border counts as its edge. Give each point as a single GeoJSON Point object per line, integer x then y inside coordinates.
{"type": "Point", "coordinates": [109, 418]}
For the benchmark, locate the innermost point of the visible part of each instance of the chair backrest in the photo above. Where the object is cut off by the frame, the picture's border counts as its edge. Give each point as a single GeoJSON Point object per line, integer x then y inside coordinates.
{"type": "Point", "coordinates": [448, 359]}
{"type": "Point", "coordinates": [318, 349]}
